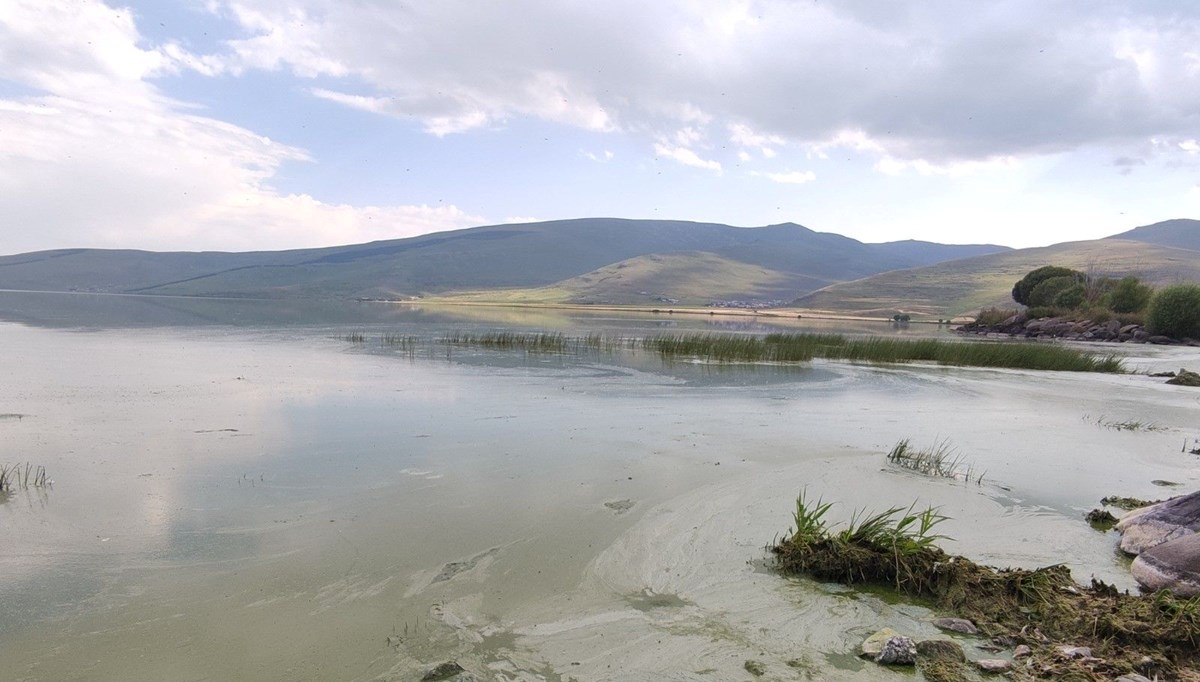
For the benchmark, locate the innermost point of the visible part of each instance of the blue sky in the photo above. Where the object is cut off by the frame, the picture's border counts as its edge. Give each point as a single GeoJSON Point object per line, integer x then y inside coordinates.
{"type": "Point", "coordinates": [265, 124]}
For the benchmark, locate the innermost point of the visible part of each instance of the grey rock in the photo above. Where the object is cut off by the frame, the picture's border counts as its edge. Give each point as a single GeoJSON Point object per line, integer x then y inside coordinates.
{"type": "Point", "coordinates": [1150, 526]}
{"type": "Point", "coordinates": [1129, 329]}
{"type": "Point", "coordinates": [1173, 565]}
{"type": "Point", "coordinates": [994, 666]}
{"type": "Point", "coordinates": [873, 645]}
{"type": "Point", "coordinates": [941, 650]}
{"type": "Point", "coordinates": [960, 625]}
{"type": "Point", "coordinates": [1185, 378]}
{"type": "Point", "coordinates": [444, 671]}
{"type": "Point", "coordinates": [1133, 677]}
{"type": "Point", "coordinates": [1068, 651]}
{"type": "Point", "coordinates": [1159, 339]}
{"type": "Point", "coordinates": [1022, 651]}
{"type": "Point", "coordinates": [898, 650]}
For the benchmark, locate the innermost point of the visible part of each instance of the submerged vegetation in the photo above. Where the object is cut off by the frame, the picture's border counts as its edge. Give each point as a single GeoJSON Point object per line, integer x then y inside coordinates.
{"type": "Point", "coordinates": [1043, 609]}
{"type": "Point", "coordinates": [938, 460]}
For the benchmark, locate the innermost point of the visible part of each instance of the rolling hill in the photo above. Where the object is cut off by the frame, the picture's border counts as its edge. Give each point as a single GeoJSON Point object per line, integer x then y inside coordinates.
{"type": "Point", "coordinates": [964, 286]}
{"type": "Point", "coordinates": [569, 256]}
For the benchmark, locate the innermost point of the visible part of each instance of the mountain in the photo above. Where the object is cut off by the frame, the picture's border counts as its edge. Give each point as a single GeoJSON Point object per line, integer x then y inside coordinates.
{"type": "Point", "coordinates": [1181, 234]}
{"type": "Point", "coordinates": [964, 286]}
{"type": "Point", "coordinates": [781, 260]}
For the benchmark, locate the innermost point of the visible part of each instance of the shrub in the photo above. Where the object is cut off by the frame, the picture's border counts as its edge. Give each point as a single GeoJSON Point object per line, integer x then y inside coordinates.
{"type": "Point", "coordinates": [991, 317]}
{"type": "Point", "coordinates": [1175, 311]}
{"type": "Point", "coordinates": [1025, 286]}
{"type": "Point", "coordinates": [1049, 289]}
{"type": "Point", "coordinates": [1071, 297]}
{"type": "Point", "coordinates": [1129, 296]}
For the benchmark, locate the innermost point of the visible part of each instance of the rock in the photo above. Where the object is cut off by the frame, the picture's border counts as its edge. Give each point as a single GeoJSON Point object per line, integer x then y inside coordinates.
{"type": "Point", "coordinates": [1141, 334]}
{"type": "Point", "coordinates": [960, 625]}
{"type": "Point", "coordinates": [1159, 339]}
{"type": "Point", "coordinates": [994, 666]}
{"type": "Point", "coordinates": [1173, 565]}
{"type": "Point", "coordinates": [941, 650]}
{"type": "Point", "coordinates": [1129, 329]}
{"type": "Point", "coordinates": [898, 650]}
{"type": "Point", "coordinates": [444, 671]}
{"type": "Point", "coordinates": [1144, 528]}
{"type": "Point", "coordinates": [755, 668]}
{"type": "Point", "coordinates": [1113, 326]}
{"type": "Point", "coordinates": [1133, 677]}
{"type": "Point", "coordinates": [1067, 651]}
{"type": "Point", "coordinates": [1163, 375]}
{"type": "Point", "coordinates": [1022, 651]}
{"type": "Point", "coordinates": [1185, 378]}
{"type": "Point", "coordinates": [874, 644]}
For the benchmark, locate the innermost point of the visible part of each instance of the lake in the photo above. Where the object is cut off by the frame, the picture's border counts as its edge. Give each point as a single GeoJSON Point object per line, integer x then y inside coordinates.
{"type": "Point", "coordinates": [242, 493]}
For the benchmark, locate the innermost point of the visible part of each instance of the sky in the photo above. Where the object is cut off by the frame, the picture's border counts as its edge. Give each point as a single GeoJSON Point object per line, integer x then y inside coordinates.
{"type": "Point", "coordinates": [269, 124]}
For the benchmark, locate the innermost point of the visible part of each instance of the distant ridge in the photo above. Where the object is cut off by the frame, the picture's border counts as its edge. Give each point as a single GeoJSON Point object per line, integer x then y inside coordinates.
{"type": "Point", "coordinates": [1162, 253]}
{"type": "Point", "coordinates": [778, 260]}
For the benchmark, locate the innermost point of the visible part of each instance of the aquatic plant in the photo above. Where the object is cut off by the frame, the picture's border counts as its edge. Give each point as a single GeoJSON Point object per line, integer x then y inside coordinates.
{"type": "Point", "coordinates": [354, 337]}
{"type": "Point", "coordinates": [21, 476]}
{"type": "Point", "coordinates": [1128, 425]}
{"type": "Point", "coordinates": [1043, 608]}
{"type": "Point", "coordinates": [939, 460]}
{"type": "Point", "coordinates": [802, 347]}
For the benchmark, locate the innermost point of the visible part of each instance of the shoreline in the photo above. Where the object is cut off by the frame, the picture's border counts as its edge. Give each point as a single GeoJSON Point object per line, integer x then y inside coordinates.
{"type": "Point", "coordinates": [772, 313]}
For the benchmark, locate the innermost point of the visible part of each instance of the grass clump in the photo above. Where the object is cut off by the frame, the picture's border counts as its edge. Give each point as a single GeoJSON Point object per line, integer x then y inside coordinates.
{"type": "Point", "coordinates": [1128, 425]}
{"type": "Point", "coordinates": [22, 476]}
{"type": "Point", "coordinates": [1042, 608]}
{"type": "Point", "coordinates": [940, 460]}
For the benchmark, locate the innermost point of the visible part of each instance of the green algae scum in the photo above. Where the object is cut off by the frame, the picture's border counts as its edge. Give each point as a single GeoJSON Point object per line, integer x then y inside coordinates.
{"type": "Point", "coordinates": [1044, 609]}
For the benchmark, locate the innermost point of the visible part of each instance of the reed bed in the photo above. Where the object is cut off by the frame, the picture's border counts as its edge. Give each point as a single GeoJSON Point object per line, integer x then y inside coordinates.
{"type": "Point", "coordinates": [881, 350]}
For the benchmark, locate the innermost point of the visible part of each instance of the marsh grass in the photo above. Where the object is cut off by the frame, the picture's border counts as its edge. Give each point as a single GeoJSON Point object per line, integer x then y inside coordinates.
{"type": "Point", "coordinates": [1127, 424]}
{"type": "Point", "coordinates": [22, 476]}
{"type": "Point", "coordinates": [879, 350]}
{"type": "Point", "coordinates": [1043, 608]}
{"type": "Point", "coordinates": [939, 460]}
{"type": "Point", "coordinates": [354, 337]}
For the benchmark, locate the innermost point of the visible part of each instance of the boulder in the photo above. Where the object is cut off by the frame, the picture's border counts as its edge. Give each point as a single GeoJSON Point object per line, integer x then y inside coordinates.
{"type": "Point", "coordinates": [1159, 339]}
{"type": "Point", "coordinates": [994, 666]}
{"type": "Point", "coordinates": [873, 645]}
{"type": "Point", "coordinates": [450, 670]}
{"type": "Point", "coordinates": [1147, 527]}
{"type": "Point", "coordinates": [1022, 651]}
{"type": "Point", "coordinates": [1129, 329]}
{"type": "Point", "coordinates": [898, 650]}
{"type": "Point", "coordinates": [1173, 566]}
{"type": "Point", "coordinates": [941, 650]}
{"type": "Point", "coordinates": [1185, 378]}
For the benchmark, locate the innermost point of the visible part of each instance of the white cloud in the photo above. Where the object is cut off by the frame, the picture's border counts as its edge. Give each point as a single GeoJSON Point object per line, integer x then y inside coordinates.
{"type": "Point", "coordinates": [602, 157]}
{"type": "Point", "coordinates": [104, 159]}
{"type": "Point", "coordinates": [940, 82]}
{"type": "Point", "coordinates": [790, 177]}
{"type": "Point", "coordinates": [686, 156]}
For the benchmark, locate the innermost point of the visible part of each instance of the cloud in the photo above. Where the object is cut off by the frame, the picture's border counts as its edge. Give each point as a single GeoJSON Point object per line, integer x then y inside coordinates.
{"type": "Point", "coordinates": [603, 157]}
{"type": "Point", "coordinates": [789, 178]}
{"type": "Point", "coordinates": [101, 152]}
{"type": "Point", "coordinates": [686, 156]}
{"type": "Point", "coordinates": [939, 82]}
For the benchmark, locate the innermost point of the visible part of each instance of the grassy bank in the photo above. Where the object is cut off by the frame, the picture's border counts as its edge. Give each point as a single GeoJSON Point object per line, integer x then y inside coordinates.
{"type": "Point", "coordinates": [1043, 608]}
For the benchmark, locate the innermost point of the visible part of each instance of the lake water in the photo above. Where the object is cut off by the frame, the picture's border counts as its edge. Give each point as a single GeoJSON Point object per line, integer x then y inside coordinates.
{"type": "Point", "coordinates": [241, 494]}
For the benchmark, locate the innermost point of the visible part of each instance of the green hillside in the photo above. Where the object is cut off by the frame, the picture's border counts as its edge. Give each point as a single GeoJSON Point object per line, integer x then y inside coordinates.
{"type": "Point", "coordinates": [964, 286]}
